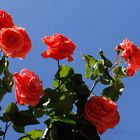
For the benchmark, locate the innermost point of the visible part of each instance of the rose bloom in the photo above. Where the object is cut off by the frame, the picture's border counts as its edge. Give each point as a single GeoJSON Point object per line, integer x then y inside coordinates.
{"type": "Point", "coordinates": [59, 47]}
{"type": "Point", "coordinates": [131, 53]}
{"type": "Point", "coordinates": [6, 20]}
{"type": "Point", "coordinates": [102, 113]}
{"type": "Point", "coordinates": [28, 87]}
{"type": "Point", "coordinates": [15, 42]}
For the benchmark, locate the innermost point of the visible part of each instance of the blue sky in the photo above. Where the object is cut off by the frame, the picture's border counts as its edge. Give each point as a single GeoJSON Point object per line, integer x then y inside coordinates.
{"type": "Point", "coordinates": [91, 24]}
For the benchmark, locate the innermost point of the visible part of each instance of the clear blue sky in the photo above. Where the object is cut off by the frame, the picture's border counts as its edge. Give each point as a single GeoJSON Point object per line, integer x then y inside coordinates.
{"type": "Point", "coordinates": [91, 24]}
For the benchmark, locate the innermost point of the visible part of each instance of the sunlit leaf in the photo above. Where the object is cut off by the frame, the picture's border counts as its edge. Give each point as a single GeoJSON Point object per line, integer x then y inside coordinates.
{"type": "Point", "coordinates": [120, 72]}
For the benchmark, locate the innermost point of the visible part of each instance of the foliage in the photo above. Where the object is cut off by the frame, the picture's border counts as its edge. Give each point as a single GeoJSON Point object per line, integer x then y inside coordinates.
{"type": "Point", "coordinates": [63, 106]}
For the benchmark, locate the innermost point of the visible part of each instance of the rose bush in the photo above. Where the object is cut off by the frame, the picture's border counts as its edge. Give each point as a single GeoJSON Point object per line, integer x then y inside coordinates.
{"type": "Point", "coordinates": [102, 113]}
{"type": "Point", "coordinates": [28, 88]}
{"type": "Point", "coordinates": [59, 47]}
{"type": "Point", "coordinates": [70, 109]}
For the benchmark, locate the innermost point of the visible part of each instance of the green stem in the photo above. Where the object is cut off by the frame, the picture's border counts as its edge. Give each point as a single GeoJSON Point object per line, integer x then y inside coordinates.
{"type": "Point", "coordinates": [45, 134]}
{"type": "Point", "coordinates": [94, 85]}
{"type": "Point", "coordinates": [59, 84]}
{"type": "Point", "coordinates": [98, 78]}
{"type": "Point", "coordinates": [114, 66]}
{"type": "Point", "coordinates": [6, 128]}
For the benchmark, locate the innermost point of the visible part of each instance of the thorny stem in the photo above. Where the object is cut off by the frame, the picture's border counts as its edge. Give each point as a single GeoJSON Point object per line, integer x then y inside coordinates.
{"type": "Point", "coordinates": [6, 128]}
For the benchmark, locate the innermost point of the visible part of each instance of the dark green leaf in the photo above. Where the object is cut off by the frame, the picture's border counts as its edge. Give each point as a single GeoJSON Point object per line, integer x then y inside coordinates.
{"type": "Point", "coordinates": [101, 68]}
{"type": "Point", "coordinates": [18, 129]}
{"type": "Point", "coordinates": [65, 120]}
{"type": "Point", "coordinates": [25, 138]}
{"type": "Point", "coordinates": [113, 92]}
{"type": "Point", "coordinates": [120, 72]}
{"type": "Point", "coordinates": [23, 118]}
{"type": "Point", "coordinates": [106, 61]}
{"type": "Point", "coordinates": [39, 112]}
{"type": "Point", "coordinates": [8, 81]}
{"type": "Point", "coordinates": [65, 104]}
{"type": "Point", "coordinates": [1, 133]}
{"type": "Point", "coordinates": [105, 80]}
{"type": "Point", "coordinates": [1, 67]}
{"type": "Point", "coordinates": [110, 92]}
{"type": "Point", "coordinates": [11, 108]}
{"type": "Point", "coordinates": [2, 92]}
{"type": "Point", "coordinates": [51, 96]}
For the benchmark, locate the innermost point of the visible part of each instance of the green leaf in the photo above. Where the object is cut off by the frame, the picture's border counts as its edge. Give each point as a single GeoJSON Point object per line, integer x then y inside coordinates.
{"type": "Point", "coordinates": [11, 108]}
{"type": "Point", "coordinates": [1, 67]}
{"type": "Point", "coordinates": [32, 135]}
{"type": "Point", "coordinates": [77, 85]}
{"type": "Point", "coordinates": [120, 72]}
{"type": "Point", "coordinates": [114, 91]}
{"type": "Point", "coordinates": [35, 134]}
{"type": "Point", "coordinates": [18, 129]}
{"type": "Point", "coordinates": [2, 92]}
{"type": "Point", "coordinates": [1, 132]}
{"type": "Point", "coordinates": [52, 96]}
{"type": "Point", "coordinates": [8, 81]}
{"type": "Point", "coordinates": [65, 104]}
{"type": "Point", "coordinates": [38, 113]}
{"type": "Point", "coordinates": [25, 138]}
{"type": "Point", "coordinates": [65, 71]}
{"type": "Point", "coordinates": [106, 61]}
{"type": "Point", "coordinates": [111, 93]}
{"type": "Point", "coordinates": [101, 68]}
{"type": "Point", "coordinates": [56, 83]}
{"type": "Point", "coordinates": [65, 120]}
{"type": "Point", "coordinates": [89, 59]}
{"type": "Point", "coordinates": [23, 118]}
{"type": "Point", "coordinates": [87, 73]}
{"type": "Point", "coordinates": [90, 62]}
{"type": "Point", "coordinates": [94, 72]}
{"type": "Point", "coordinates": [106, 80]}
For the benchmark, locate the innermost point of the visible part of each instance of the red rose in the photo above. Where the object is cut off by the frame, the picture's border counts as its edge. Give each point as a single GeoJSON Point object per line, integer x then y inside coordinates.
{"type": "Point", "coordinates": [102, 113]}
{"type": "Point", "coordinates": [28, 88]}
{"type": "Point", "coordinates": [15, 42]}
{"type": "Point", "coordinates": [131, 53]}
{"type": "Point", "coordinates": [130, 71]}
{"type": "Point", "coordinates": [5, 20]}
{"type": "Point", "coordinates": [59, 47]}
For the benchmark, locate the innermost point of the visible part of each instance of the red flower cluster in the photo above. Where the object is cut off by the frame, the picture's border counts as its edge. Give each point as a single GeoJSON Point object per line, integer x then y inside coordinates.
{"type": "Point", "coordinates": [28, 88]}
{"type": "Point", "coordinates": [59, 47]}
{"type": "Point", "coordinates": [14, 41]}
{"type": "Point", "coordinates": [131, 53]}
{"type": "Point", "coordinates": [102, 113]}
